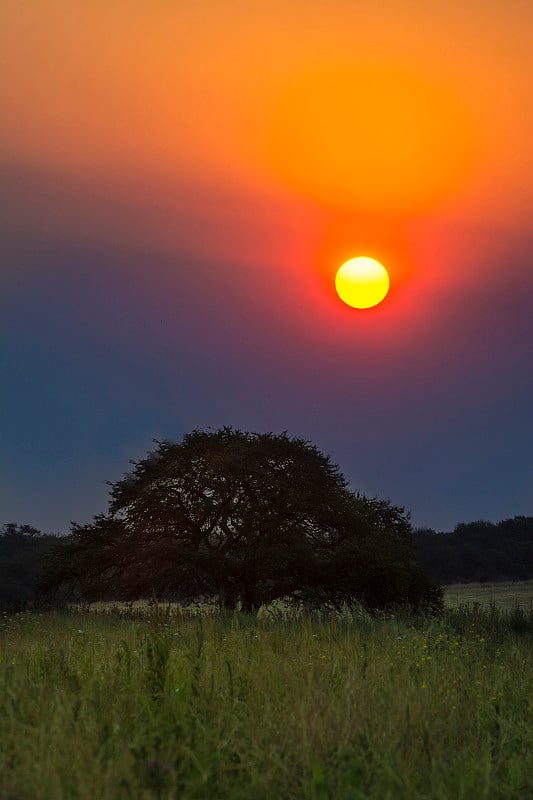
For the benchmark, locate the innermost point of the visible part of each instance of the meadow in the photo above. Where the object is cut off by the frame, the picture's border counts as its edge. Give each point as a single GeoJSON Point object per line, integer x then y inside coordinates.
{"type": "Point", "coordinates": [164, 703]}
{"type": "Point", "coordinates": [504, 595]}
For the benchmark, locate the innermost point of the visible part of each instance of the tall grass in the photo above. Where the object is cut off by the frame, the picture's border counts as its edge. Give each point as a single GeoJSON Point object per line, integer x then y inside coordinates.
{"type": "Point", "coordinates": [216, 707]}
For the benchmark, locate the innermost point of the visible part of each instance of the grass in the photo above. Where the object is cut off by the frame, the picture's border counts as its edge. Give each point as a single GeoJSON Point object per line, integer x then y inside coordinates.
{"type": "Point", "coordinates": [172, 705]}
{"type": "Point", "coordinates": [503, 595]}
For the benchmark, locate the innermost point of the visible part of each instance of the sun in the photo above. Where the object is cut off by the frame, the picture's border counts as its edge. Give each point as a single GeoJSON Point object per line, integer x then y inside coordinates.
{"type": "Point", "coordinates": [362, 282]}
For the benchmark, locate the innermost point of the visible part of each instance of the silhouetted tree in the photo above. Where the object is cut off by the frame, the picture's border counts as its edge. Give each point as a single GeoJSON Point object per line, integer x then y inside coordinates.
{"type": "Point", "coordinates": [248, 517]}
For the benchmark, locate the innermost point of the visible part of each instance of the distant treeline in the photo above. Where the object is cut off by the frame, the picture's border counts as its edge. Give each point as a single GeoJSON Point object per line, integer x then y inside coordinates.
{"type": "Point", "coordinates": [474, 552]}
{"type": "Point", "coordinates": [478, 551]}
{"type": "Point", "coordinates": [22, 550]}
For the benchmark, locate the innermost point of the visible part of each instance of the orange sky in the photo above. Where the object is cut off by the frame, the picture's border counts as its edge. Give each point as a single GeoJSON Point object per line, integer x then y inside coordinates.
{"type": "Point", "coordinates": [170, 89]}
{"type": "Point", "coordinates": [291, 134]}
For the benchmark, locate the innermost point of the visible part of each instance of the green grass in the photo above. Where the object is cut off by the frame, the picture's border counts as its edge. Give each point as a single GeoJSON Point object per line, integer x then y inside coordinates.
{"type": "Point", "coordinates": [503, 595]}
{"type": "Point", "coordinates": [110, 706]}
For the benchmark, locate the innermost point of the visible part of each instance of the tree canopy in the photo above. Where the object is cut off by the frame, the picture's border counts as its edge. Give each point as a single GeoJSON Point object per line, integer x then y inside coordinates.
{"type": "Point", "coordinates": [246, 517]}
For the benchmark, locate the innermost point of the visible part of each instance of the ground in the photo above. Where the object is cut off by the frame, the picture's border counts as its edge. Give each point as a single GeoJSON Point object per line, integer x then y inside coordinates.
{"type": "Point", "coordinates": [157, 703]}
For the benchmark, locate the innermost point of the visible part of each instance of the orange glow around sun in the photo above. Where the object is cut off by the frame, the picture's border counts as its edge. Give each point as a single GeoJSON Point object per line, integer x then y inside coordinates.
{"type": "Point", "coordinates": [373, 137]}
{"type": "Point", "coordinates": [362, 282]}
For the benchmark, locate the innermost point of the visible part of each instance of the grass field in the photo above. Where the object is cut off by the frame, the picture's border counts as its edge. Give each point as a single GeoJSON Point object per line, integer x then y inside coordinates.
{"type": "Point", "coordinates": [157, 705]}
{"type": "Point", "coordinates": [503, 595]}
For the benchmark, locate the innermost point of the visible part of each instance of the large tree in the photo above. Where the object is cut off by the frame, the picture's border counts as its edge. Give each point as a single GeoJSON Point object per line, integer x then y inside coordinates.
{"type": "Point", "coordinates": [247, 517]}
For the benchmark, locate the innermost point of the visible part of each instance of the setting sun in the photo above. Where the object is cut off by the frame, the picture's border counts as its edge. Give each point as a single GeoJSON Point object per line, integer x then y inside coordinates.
{"type": "Point", "coordinates": [362, 282]}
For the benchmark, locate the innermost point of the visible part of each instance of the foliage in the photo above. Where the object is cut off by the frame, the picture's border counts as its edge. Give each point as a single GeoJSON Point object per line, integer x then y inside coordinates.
{"type": "Point", "coordinates": [249, 518]}
{"type": "Point", "coordinates": [21, 553]}
{"type": "Point", "coordinates": [320, 707]}
{"type": "Point", "coordinates": [478, 551]}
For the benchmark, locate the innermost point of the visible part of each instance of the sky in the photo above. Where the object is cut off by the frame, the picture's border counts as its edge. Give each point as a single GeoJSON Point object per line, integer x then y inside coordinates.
{"type": "Point", "coordinates": [180, 183]}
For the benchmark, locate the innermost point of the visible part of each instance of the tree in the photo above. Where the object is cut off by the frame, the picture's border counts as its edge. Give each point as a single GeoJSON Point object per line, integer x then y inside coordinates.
{"type": "Point", "coordinates": [22, 549]}
{"type": "Point", "coordinates": [247, 517]}
{"type": "Point", "coordinates": [478, 551]}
